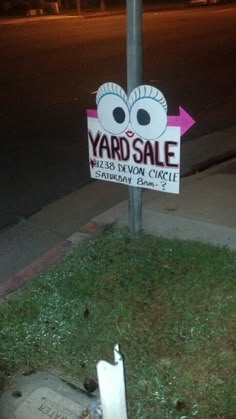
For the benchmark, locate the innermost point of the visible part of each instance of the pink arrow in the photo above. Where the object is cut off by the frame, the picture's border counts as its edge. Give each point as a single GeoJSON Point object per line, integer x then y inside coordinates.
{"type": "Point", "coordinates": [184, 121]}
{"type": "Point", "coordinates": [92, 113]}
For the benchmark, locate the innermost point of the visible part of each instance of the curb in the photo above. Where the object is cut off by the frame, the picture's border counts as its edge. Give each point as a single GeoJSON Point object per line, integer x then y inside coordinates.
{"type": "Point", "coordinates": [47, 260]}
{"type": "Point", "coordinates": [208, 163]}
{"type": "Point", "coordinates": [35, 268]}
{"type": "Point", "coordinates": [88, 15]}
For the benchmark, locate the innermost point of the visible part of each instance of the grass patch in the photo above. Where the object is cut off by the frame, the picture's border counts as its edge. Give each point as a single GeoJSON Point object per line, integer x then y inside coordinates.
{"type": "Point", "coordinates": [169, 304]}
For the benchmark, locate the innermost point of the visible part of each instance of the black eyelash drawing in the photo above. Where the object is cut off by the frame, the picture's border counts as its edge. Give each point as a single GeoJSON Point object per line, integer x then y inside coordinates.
{"type": "Point", "coordinates": [111, 88]}
{"type": "Point", "coordinates": [138, 93]}
{"type": "Point", "coordinates": [144, 92]}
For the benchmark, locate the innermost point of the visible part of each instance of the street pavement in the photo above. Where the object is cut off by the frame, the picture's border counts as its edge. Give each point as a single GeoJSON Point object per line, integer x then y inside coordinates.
{"type": "Point", "coordinates": [50, 71]}
{"type": "Point", "coordinates": [203, 211]}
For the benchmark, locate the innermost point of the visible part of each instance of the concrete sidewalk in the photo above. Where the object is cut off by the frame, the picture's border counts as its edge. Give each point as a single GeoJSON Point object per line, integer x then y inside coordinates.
{"type": "Point", "coordinates": [204, 211]}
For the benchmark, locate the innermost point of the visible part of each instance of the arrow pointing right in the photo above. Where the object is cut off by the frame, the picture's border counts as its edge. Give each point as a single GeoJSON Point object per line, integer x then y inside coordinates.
{"type": "Point", "coordinates": [184, 121]}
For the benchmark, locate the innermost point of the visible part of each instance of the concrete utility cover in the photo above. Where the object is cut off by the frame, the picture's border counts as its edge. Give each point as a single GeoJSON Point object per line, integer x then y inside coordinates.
{"type": "Point", "coordinates": [45, 403]}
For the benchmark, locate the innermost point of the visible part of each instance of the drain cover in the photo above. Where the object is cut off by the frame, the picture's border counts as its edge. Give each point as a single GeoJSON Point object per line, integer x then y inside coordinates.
{"type": "Point", "coordinates": [45, 403]}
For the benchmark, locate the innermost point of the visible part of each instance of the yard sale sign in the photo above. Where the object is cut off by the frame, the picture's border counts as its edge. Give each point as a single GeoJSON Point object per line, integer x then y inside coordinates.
{"type": "Point", "coordinates": [133, 141]}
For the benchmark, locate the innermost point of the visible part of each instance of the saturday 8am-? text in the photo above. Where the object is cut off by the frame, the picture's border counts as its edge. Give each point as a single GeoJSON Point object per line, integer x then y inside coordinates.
{"type": "Point", "coordinates": [131, 174]}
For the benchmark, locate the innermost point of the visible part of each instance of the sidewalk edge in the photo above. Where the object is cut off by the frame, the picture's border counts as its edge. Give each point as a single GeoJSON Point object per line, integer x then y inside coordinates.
{"type": "Point", "coordinates": [35, 268]}
{"type": "Point", "coordinates": [46, 260]}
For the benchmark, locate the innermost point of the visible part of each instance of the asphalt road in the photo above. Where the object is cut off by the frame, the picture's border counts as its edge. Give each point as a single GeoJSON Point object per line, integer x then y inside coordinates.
{"type": "Point", "coordinates": [50, 70]}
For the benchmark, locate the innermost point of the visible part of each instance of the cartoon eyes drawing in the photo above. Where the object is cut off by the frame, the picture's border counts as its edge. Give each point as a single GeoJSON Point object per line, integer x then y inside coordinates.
{"type": "Point", "coordinates": [145, 110]}
{"type": "Point", "coordinates": [148, 112]}
{"type": "Point", "coordinates": [112, 108]}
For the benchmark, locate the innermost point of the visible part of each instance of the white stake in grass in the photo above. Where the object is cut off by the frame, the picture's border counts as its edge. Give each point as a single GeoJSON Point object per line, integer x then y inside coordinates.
{"type": "Point", "coordinates": [112, 387]}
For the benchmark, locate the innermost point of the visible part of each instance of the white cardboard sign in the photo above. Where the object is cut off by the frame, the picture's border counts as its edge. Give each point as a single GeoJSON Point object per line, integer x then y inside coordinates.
{"type": "Point", "coordinates": [132, 140]}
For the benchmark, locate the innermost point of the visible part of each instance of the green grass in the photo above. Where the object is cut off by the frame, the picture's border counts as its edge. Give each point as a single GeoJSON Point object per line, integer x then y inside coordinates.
{"type": "Point", "coordinates": [169, 304]}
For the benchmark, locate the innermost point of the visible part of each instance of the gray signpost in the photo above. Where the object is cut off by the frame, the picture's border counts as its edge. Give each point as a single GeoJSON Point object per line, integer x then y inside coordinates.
{"type": "Point", "coordinates": [78, 7]}
{"type": "Point", "coordinates": [152, 158]}
{"type": "Point", "coordinates": [134, 79]}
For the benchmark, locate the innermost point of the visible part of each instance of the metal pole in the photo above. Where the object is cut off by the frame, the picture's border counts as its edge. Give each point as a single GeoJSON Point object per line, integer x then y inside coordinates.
{"type": "Point", "coordinates": [134, 79]}
{"type": "Point", "coordinates": [78, 8]}
{"type": "Point", "coordinates": [102, 5]}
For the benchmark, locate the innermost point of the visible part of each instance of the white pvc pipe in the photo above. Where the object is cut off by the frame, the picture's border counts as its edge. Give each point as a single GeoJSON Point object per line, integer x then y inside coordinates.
{"type": "Point", "coordinates": [112, 387]}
